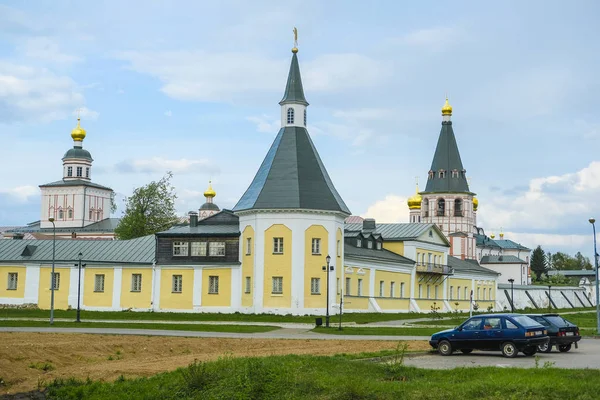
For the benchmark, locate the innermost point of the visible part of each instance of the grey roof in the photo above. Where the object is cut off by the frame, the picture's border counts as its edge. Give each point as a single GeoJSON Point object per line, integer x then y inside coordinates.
{"type": "Point", "coordinates": [106, 225]}
{"type": "Point", "coordinates": [202, 230]}
{"type": "Point", "coordinates": [373, 254]}
{"type": "Point", "coordinates": [136, 251]}
{"type": "Point", "coordinates": [483, 240]}
{"type": "Point", "coordinates": [292, 176]}
{"type": "Point", "coordinates": [209, 206]}
{"type": "Point", "coordinates": [405, 231]}
{"type": "Point", "coordinates": [501, 260]}
{"type": "Point", "coordinates": [294, 92]}
{"type": "Point", "coordinates": [78, 152]}
{"type": "Point", "coordinates": [509, 244]}
{"type": "Point", "coordinates": [468, 266]}
{"type": "Point", "coordinates": [75, 182]}
{"type": "Point", "coordinates": [447, 158]}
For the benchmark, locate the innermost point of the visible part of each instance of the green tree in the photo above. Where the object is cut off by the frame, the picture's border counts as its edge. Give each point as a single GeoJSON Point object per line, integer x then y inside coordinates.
{"type": "Point", "coordinates": [539, 265]}
{"type": "Point", "coordinates": [150, 209]}
{"type": "Point", "coordinates": [562, 261]}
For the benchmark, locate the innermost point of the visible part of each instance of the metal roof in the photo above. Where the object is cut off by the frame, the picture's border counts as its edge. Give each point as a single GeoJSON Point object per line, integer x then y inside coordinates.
{"type": "Point", "coordinates": [502, 260]}
{"type": "Point", "coordinates": [468, 266]}
{"type": "Point", "coordinates": [78, 152]}
{"type": "Point", "coordinates": [202, 230]}
{"type": "Point", "coordinates": [405, 231]}
{"type": "Point", "coordinates": [106, 225]}
{"type": "Point", "coordinates": [294, 92]}
{"type": "Point", "coordinates": [483, 240]}
{"type": "Point", "coordinates": [135, 251]}
{"type": "Point", "coordinates": [75, 182]}
{"type": "Point", "coordinates": [509, 244]}
{"type": "Point", "coordinates": [352, 252]}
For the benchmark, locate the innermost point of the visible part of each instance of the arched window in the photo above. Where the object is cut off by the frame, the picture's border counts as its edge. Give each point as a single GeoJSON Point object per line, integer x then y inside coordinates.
{"type": "Point", "coordinates": [70, 213]}
{"type": "Point", "coordinates": [60, 213]}
{"type": "Point", "coordinates": [290, 115]}
{"type": "Point", "coordinates": [304, 117]}
{"type": "Point", "coordinates": [425, 207]}
{"type": "Point", "coordinates": [458, 208]}
{"type": "Point", "coordinates": [431, 174]}
{"type": "Point", "coordinates": [441, 207]}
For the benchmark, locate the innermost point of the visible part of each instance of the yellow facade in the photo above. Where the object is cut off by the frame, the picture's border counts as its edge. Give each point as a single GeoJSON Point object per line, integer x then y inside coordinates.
{"type": "Point", "coordinates": [393, 304]}
{"type": "Point", "coordinates": [427, 305]}
{"type": "Point", "coordinates": [395, 247]}
{"type": "Point", "coordinates": [141, 299]}
{"type": "Point", "coordinates": [19, 292]}
{"type": "Point", "coordinates": [313, 266]}
{"type": "Point", "coordinates": [422, 285]}
{"type": "Point", "coordinates": [356, 303]}
{"type": "Point", "coordinates": [456, 285]}
{"type": "Point", "coordinates": [278, 265]}
{"type": "Point", "coordinates": [91, 297]}
{"type": "Point", "coordinates": [437, 257]}
{"type": "Point", "coordinates": [247, 266]}
{"type": "Point", "coordinates": [61, 295]}
{"type": "Point", "coordinates": [357, 275]}
{"type": "Point", "coordinates": [387, 277]}
{"type": "Point", "coordinates": [176, 300]}
{"type": "Point", "coordinates": [223, 297]}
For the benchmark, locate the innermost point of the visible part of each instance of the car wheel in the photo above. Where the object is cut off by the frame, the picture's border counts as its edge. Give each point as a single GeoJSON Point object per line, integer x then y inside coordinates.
{"type": "Point", "coordinates": [545, 348]}
{"type": "Point", "coordinates": [563, 348]}
{"type": "Point", "coordinates": [529, 351]}
{"type": "Point", "coordinates": [466, 351]}
{"type": "Point", "coordinates": [445, 348]}
{"type": "Point", "coordinates": [509, 350]}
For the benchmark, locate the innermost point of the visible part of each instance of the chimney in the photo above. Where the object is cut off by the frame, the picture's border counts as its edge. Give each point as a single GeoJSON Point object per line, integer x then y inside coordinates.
{"type": "Point", "coordinates": [73, 235]}
{"type": "Point", "coordinates": [369, 224]}
{"type": "Point", "coordinates": [193, 219]}
{"type": "Point", "coordinates": [18, 236]}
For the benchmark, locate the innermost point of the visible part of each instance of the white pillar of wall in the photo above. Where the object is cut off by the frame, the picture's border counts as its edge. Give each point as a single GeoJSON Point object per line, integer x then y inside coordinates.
{"type": "Point", "coordinates": [236, 288]}
{"type": "Point", "coordinates": [197, 289]}
{"type": "Point", "coordinates": [32, 284]}
{"type": "Point", "coordinates": [155, 288]}
{"type": "Point", "coordinates": [259, 266]}
{"type": "Point", "coordinates": [73, 284]}
{"type": "Point", "coordinates": [298, 229]}
{"type": "Point", "coordinates": [117, 283]}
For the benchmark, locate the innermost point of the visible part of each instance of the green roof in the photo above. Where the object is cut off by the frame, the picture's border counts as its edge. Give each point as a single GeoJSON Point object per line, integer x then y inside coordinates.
{"type": "Point", "coordinates": [502, 260]}
{"type": "Point", "coordinates": [398, 232]}
{"type": "Point", "coordinates": [134, 251]}
{"type": "Point", "coordinates": [483, 240]}
{"type": "Point", "coordinates": [509, 244]}
{"type": "Point", "coordinates": [294, 92]}
{"type": "Point", "coordinates": [353, 252]}
{"type": "Point", "coordinates": [447, 158]}
{"type": "Point", "coordinates": [468, 266]}
{"type": "Point", "coordinates": [78, 152]}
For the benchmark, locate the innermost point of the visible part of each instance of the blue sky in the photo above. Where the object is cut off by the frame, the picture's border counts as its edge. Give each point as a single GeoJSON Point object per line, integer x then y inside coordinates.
{"type": "Point", "coordinates": [193, 87]}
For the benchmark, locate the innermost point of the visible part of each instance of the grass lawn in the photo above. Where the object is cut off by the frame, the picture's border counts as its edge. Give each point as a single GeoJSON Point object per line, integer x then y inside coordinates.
{"type": "Point", "coordinates": [311, 377]}
{"type": "Point", "coordinates": [382, 331]}
{"type": "Point", "coordinates": [173, 327]}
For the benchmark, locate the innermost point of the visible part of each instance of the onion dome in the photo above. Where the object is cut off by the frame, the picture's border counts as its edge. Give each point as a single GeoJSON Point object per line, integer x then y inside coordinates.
{"type": "Point", "coordinates": [78, 134]}
{"type": "Point", "coordinates": [475, 203]}
{"type": "Point", "coordinates": [447, 108]}
{"type": "Point", "coordinates": [414, 202]}
{"type": "Point", "coordinates": [210, 193]}
{"type": "Point", "coordinates": [492, 236]}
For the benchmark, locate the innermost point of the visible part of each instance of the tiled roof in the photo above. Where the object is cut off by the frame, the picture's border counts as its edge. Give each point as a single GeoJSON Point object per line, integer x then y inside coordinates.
{"type": "Point", "coordinates": [502, 260]}
{"type": "Point", "coordinates": [468, 266]}
{"type": "Point", "coordinates": [352, 252]}
{"type": "Point", "coordinates": [137, 251]}
{"type": "Point", "coordinates": [509, 244]}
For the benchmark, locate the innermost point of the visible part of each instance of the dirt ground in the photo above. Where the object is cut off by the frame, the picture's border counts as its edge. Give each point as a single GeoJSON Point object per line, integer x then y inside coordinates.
{"type": "Point", "coordinates": [27, 359]}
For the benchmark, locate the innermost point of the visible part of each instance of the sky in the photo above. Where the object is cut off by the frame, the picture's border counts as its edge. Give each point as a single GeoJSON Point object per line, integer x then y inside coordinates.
{"type": "Point", "coordinates": [193, 88]}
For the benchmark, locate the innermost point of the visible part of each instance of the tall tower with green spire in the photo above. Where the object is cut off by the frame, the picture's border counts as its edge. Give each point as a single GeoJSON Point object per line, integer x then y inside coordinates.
{"type": "Point", "coordinates": [447, 200]}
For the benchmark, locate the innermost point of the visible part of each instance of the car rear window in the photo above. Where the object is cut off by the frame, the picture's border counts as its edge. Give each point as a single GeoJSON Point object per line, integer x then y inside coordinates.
{"type": "Point", "coordinates": [525, 322]}
{"type": "Point", "coordinates": [558, 321]}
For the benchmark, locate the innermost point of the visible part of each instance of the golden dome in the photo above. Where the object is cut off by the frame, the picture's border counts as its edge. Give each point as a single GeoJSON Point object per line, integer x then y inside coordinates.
{"type": "Point", "coordinates": [294, 50]}
{"type": "Point", "coordinates": [78, 134]}
{"type": "Point", "coordinates": [492, 236]}
{"type": "Point", "coordinates": [475, 203]}
{"type": "Point", "coordinates": [210, 192]}
{"type": "Point", "coordinates": [447, 109]}
{"type": "Point", "coordinates": [414, 202]}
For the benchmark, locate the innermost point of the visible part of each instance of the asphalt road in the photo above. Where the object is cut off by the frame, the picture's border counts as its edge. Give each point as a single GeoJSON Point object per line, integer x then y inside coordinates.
{"type": "Point", "coordinates": [587, 356]}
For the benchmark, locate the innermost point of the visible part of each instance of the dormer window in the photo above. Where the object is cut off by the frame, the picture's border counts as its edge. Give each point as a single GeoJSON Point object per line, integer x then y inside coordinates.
{"type": "Point", "coordinates": [455, 173]}
{"type": "Point", "coordinates": [304, 117]}
{"type": "Point", "coordinates": [442, 173]}
{"type": "Point", "coordinates": [431, 174]}
{"type": "Point", "coordinates": [290, 115]}
{"type": "Point", "coordinates": [358, 243]}
{"type": "Point", "coordinates": [369, 244]}
{"type": "Point", "coordinates": [378, 245]}
{"type": "Point", "coordinates": [464, 173]}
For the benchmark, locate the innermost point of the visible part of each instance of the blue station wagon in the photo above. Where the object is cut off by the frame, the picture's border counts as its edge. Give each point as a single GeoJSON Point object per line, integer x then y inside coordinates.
{"type": "Point", "coordinates": [509, 333]}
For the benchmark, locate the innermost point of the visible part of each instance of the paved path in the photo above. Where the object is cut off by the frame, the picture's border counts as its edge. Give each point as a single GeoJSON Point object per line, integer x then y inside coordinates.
{"type": "Point", "coordinates": [286, 333]}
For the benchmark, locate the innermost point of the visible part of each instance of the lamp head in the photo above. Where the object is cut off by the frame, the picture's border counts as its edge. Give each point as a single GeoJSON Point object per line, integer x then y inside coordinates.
{"type": "Point", "coordinates": [51, 219]}
{"type": "Point", "coordinates": [328, 258]}
{"type": "Point", "coordinates": [592, 220]}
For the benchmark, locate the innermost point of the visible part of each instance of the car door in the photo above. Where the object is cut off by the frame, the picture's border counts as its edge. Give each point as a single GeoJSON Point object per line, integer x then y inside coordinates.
{"type": "Point", "coordinates": [467, 336]}
{"type": "Point", "coordinates": [492, 334]}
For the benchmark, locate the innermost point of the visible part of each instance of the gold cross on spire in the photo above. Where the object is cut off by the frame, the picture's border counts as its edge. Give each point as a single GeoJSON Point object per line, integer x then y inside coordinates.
{"type": "Point", "coordinates": [78, 111]}
{"type": "Point", "coordinates": [295, 48]}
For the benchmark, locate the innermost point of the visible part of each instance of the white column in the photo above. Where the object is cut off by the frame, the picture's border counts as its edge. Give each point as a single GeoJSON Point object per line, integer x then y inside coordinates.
{"type": "Point", "coordinates": [117, 283]}
{"type": "Point", "coordinates": [236, 288]}
{"type": "Point", "coordinates": [73, 285]}
{"type": "Point", "coordinates": [372, 283]}
{"type": "Point", "coordinates": [259, 266]}
{"type": "Point", "coordinates": [197, 289]}
{"type": "Point", "coordinates": [32, 284]}
{"type": "Point", "coordinates": [298, 250]}
{"type": "Point", "coordinates": [155, 288]}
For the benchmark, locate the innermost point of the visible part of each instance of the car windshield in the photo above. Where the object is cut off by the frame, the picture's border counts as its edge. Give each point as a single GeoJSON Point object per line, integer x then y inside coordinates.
{"type": "Point", "coordinates": [558, 321]}
{"type": "Point", "coordinates": [525, 322]}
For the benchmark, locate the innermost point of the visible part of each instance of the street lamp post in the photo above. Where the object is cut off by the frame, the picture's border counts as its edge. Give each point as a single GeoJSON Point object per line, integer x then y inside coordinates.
{"type": "Point", "coordinates": [79, 287]}
{"type": "Point", "coordinates": [593, 222]}
{"type": "Point", "coordinates": [549, 297]}
{"type": "Point", "coordinates": [52, 277]}
{"type": "Point", "coordinates": [512, 295]}
{"type": "Point", "coordinates": [328, 269]}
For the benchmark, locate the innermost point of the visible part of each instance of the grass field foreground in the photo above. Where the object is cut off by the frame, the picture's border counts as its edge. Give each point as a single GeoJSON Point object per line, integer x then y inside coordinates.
{"type": "Point", "coordinates": [311, 377]}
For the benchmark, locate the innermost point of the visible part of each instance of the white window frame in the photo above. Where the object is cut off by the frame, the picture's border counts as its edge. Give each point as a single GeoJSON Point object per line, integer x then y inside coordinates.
{"type": "Point", "coordinates": [248, 288]}
{"type": "Point", "coordinates": [392, 288]}
{"type": "Point", "coordinates": [277, 245]}
{"type": "Point", "coordinates": [348, 286]}
{"type": "Point", "coordinates": [61, 213]}
{"type": "Point", "coordinates": [277, 285]}
{"type": "Point", "coordinates": [136, 283]}
{"type": "Point", "coordinates": [358, 243]}
{"type": "Point", "coordinates": [378, 245]}
{"type": "Point", "coordinates": [69, 171]}
{"type": "Point", "coordinates": [369, 244]}
{"type": "Point", "coordinates": [458, 293]}
{"type": "Point", "coordinates": [213, 284]}
{"type": "Point", "coordinates": [290, 115]}
{"type": "Point", "coordinates": [198, 249]}
{"type": "Point", "coordinates": [99, 283]}
{"type": "Point", "coordinates": [451, 296]}
{"type": "Point", "coordinates": [316, 246]}
{"type": "Point", "coordinates": [216, 249]}
{"type": "Point", "coordinates": [87, 172]}
{"type": "Point", "coordinates": [248, 246]}
{"type": "Point", "coordinates": [180, 249]}
{"type": "Point", "coordinates": [484, 293]}
{"type": "Point", "coordinates": [435, 291]}
{"type": "Point", "coordinates": [428, 291]}
{"type": "Point", "coordinates": [70, 213]}
{"type": "Point", "coordinates": [13, 281]}
{"type": "Point", "coordinates": [315, 285]}
{"type": "Point", "coordinates": [359, 287]}
{"type": "Point", "coordinates": [177, 284]}
{"type": "Point", "coordinates": [381, 288]}
{"type": "Point", "coordinates": [420, 290]}
{"type": "Point", "coordinates": [304, 117]}
{"type": "Point", "coordinates": [79, 172]}
{"type": "Point", "coordinates": [56, 281]}
{"type": "Point", "coordinates": [401, 289]}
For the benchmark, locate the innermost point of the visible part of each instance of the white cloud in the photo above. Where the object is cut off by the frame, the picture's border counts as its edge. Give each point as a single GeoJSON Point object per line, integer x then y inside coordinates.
{"type": "Point", "coordinates": [22, 193]}
{"type": "Point", "coordinates": [391, 209]}
{"type": "Point", "coordinates": [265, 124]}
{"type": "Point", "coordinates": [35, 94]}
{"type": "Point", "coordinates": [86, 114]}
{"type": "Point", "coordinates": [437, 38]}
{"type": "Point", "coordinates": [169, 113]}
{"type": "Point", "coordinates": [46, 49]}
{"type": "Point", "coordinates": [161, 165]}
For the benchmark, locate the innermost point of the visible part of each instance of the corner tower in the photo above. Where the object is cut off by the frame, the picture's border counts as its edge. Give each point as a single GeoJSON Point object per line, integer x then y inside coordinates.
{"type": "Point", "coordinates": [447, 200]}
{"type": "Point", "coordinates": [291, 218]}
